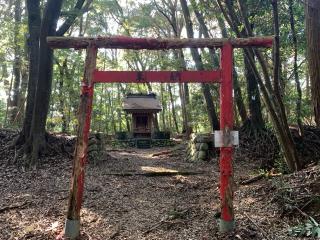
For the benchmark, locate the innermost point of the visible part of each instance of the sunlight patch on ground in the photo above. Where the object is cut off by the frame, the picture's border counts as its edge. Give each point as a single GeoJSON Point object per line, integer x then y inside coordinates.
{"type": "Point", "coordinates": [54, 226]}
{"type": "Point", "coordinates": [248, 200]}
{"type": "Point", "coordinates": [25, 229]}
{"type": "Point", "coordinates": [124, 153]}
{"type": "Point", "coordinates": [157, 169]}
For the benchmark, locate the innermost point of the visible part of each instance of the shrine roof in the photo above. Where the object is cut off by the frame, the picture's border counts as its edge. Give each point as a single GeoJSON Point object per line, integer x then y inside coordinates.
{"type": "Point", "coordinates": [141, 102]}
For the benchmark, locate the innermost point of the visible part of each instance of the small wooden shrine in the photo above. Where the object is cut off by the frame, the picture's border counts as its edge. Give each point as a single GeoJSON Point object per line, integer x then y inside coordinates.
{"type": "Point", "coordinates": [144, 109]}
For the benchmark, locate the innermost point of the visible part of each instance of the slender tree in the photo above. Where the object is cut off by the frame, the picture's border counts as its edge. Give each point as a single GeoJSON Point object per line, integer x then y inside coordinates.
{"type": "Point", "coordinates": [61, 97]}
{"type": "Point", "coordinates": [256, 119]}
{"type": "Point", "coordinates": [312, 12]}
{"type": "Point", "coordinates": [215, 62]}
{"type": "Point", "coordinates": [199, 65]}
{"type": "Point", "coordinates": [173, 108]}
{"type": "Point", "coordinates": [164, 107]}
{"type": "Point", "coordinates": [170, 13]}
{"type": "Point", "coordinates": [271, 96]}
{"type": "Point", "coordinates": [295, 66]}
{"type": "Point", "coordinates": [253, 93]}
{"type": "Point", "coordinates": [14, 101]}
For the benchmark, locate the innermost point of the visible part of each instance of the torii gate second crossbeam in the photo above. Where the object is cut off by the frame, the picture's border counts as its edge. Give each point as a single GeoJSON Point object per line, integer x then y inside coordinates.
{"type": "Point", "coordinates": [223, 76]}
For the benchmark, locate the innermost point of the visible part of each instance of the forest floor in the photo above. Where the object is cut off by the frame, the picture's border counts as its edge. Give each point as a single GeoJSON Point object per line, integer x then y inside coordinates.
{"type": "Point", "coordinates": [33, 203]}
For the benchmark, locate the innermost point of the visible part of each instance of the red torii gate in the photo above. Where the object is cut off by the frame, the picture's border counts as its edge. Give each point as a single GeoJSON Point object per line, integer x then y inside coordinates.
{"type": "Point", "coordinates": [92, 76]}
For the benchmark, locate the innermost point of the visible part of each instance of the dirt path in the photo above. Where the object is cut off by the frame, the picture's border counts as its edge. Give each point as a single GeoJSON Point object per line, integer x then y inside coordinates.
{"type": "Point", "coordinates": [141, 207]}
{"type": "Point", "coordinates": [133, 207]}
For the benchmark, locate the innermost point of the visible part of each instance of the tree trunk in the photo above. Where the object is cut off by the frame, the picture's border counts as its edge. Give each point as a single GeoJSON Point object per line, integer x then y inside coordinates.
{"type": "Point", "coordinates": [205, 31]}
{"type": "Point", "coordinates": [118, 109]}
{"type": "Point", "coordinates": [184, 97]}
{"type": "Point", "coordinates": [164, 107]}
{"type": "Point", "coordinates": [40, 71]}
{"type": "Point", "coordinates": [8, 100]}
{"type": "Point", "coordinates": [273, 104]}
{"type": "Point", "coordinates": [256, 119]}
{"type": "Point", "coordinates": [111, 112]}
{"type": "Point", "coordinates": [312, 13]}
{"type": "Point", "coordinates": [16, 64]}
{"type": "Point", "coordinates": [213, 118]}
{"type": "Point", "coordinates": [71, 18]}
{"type": "Point", "coordinates": [61, 96]}
{"type": "Point", "coordinates": [185, 124]}
{"type": "Point", "coordinates": [34, 22]}
{"type": "Point", "coordinates": [107, 112]}
{"type": "Point", "coordinates": [238, 97]}
{"type": "Point", "coordinates": [24, 85]}
{"type": "Point", "coordinates": [174, 115]}
{"type": "Point", "coordinates": [42, 97]}
{"type": "Point", "coordinates": [236, 84]}
{"type": "Point", "coordinates": [124, 93]}
{"type": "Point", "coordinates": [214, 122]}
{"type": "Point", "coordinates": [215, 61]}
{"type": "Point", "coordinates": [295, 66]}
{"type": "Point", "coordinates": [307, 84]}
{"type": "Point", "coordinates": [154, 119]}
{"type": "Point", "coordinates": [291, 155]}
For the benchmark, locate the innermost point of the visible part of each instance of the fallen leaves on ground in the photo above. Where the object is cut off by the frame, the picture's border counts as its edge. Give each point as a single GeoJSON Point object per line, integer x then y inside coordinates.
{"type": "Point", "coordinates": [139, 207]}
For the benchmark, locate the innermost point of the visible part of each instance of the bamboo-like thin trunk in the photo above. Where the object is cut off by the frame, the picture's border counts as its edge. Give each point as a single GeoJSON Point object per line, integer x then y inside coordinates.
{"type": "Point", "coordinates": [213, 118]}
{"type": "Point", "coordinates": [274, 106]}
{"type": "Point", "coordinates": [295, 67]}
{"type": "Point", "coordinates": [174, 115]}
{"type": "Point", "coordinates": [17, 63]}
{"type": "Point", "coordinates": [8, 101]}
{"type": "Point", "coordinates": [164, 106]}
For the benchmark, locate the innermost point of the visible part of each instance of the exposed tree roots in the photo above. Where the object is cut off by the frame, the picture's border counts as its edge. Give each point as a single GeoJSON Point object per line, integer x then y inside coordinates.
{"type": "Point", "coordinates": [257, 144]}
{"type": "Point", "coordinates": [308, 145]}
{"type": "Point", "coordinates": [27, 157]}
{"type": "Point", "coordinates": [260, 144]}
{"type": "Point", "coordinates": [20, 153]}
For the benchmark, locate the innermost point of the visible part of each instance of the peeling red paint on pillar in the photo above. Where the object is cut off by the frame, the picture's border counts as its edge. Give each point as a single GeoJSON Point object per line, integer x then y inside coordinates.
{"type": "Point", "coordinates": [88, 91]}
{"type": "Point", "coordinates": [81, 148]}
{"type": "Point", "coordinates": [226, 125]}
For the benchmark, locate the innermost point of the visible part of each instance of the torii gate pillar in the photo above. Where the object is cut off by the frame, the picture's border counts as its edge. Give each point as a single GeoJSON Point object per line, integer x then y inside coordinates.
{"type": "Point", "coordinates": [72, 226]}
{"type": "Point", "coordinates": [226, 125]}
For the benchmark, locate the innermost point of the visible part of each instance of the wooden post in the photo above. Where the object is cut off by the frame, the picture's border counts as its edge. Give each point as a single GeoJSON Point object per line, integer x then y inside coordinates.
{"type": "Point", "coordinates": [72, 226]}
{"type": "Point", "coordinates": [226, 125]}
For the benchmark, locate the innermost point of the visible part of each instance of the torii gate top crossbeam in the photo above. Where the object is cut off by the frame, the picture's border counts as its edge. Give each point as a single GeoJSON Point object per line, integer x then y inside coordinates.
{"type": "Point", "coordinates": [124, 42]}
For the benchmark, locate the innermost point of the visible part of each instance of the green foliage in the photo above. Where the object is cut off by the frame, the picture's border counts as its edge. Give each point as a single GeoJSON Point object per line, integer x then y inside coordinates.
{"type": "Point", "coordinates": [2, 112]}
{"type": "Point", "coordinates": [308, 229]}
{"type": "Point", "coordinates": [280, 165]}
{"type": "Point", "coordinates": [150, 19]}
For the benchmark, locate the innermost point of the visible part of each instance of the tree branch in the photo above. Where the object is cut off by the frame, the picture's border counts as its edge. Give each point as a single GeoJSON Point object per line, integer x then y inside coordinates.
{"type": "Point", "coordinates": [167, 17]}
{"type": "Point", "coordinates": [70, 20]}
